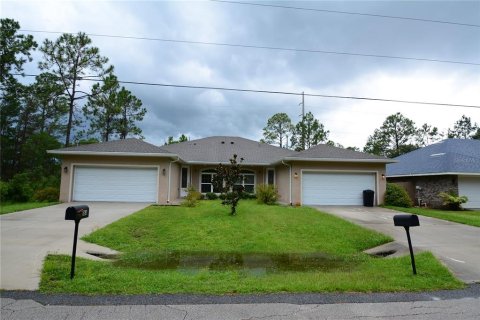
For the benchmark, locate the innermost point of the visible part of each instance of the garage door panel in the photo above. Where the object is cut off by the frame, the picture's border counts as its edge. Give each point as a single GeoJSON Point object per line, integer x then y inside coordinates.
{"type": "Point", "coordinates": [470, 187]}
{"type": "Point", "coordinates": [335, 188]}
{"type": "Point", "coordinates": [115, 184]}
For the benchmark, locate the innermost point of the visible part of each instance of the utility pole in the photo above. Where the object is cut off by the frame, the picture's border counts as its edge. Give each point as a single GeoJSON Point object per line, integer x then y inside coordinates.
{"type": "Point", "coordinates": [303, 119]}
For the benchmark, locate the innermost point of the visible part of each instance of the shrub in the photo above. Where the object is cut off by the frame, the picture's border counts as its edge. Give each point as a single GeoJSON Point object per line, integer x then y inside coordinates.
{"type": "Point", "coordinates": [267, 194]}
{"type": "Point", "coordinates": [211, 196]}
{"type": "Point", "coordinates": [4, 189]}
{"type": "Point", "coordinates": [48, 194]}
{"type": "Point", "coordinates": [451, 201]}
{"type": "Point", "coordinates": [397, 196]}
{"type": "Point", "coordinates": [192, 197]}
{"type": "Point", "coordinates": [248, 195]}
{"type": "Point", "coordinates": [20, 189]}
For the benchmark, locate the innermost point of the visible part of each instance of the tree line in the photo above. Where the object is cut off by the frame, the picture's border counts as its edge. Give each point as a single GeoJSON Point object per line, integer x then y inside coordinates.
{"type": "Point", "coordinates": [57, 109]}
{"type": "Point", "coordinates": [396, 136]}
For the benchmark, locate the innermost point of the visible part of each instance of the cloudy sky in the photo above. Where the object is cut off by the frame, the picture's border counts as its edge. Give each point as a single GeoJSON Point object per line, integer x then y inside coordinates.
{"type": "Point", "coordinates": [199, 113]}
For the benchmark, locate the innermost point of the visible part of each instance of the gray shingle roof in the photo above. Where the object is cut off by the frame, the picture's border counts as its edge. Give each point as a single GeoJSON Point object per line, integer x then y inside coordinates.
{"type": "Point", "coordinates": [325, 152]}
{"type": "Point", "coordinates": [447, 156]}
{"type": "Point", "coordinates": [219, 149]}
{"type": "Point", "coordinates": [121, 146]}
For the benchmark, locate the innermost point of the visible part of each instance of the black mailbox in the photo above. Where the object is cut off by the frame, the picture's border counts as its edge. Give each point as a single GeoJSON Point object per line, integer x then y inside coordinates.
{"type": "Point", "coordinates": [406, 220]}
{"type": "Point", "coordinates": [77, 212]}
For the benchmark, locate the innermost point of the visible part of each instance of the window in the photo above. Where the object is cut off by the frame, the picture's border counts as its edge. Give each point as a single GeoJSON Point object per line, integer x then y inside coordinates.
{"type": "Point", "coordinates": [184, 177]}
{"type": "Point", "coordinates": [206, 181]}
{"type": "Point", "coordinates": [271, 177]}
{"type": "Point", "coordinates": [247, 181]}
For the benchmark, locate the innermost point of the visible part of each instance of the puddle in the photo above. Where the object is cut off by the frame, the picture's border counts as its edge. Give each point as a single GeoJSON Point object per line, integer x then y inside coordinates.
{"type": "Point", "coordinates": [258, 264]}
{"type": "Point", "coordinates": [383, 254]}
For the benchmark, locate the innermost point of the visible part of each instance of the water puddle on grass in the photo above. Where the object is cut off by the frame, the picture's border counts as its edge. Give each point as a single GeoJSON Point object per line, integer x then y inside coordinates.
{"type": "Point", "coordinates": [257, 264]}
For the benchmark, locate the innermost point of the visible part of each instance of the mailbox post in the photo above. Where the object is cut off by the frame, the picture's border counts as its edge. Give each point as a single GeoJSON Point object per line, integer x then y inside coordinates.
{"type": "Point", "coordinates": [76, 213]}
{"type": "Point", "coordinates": [407, 221]}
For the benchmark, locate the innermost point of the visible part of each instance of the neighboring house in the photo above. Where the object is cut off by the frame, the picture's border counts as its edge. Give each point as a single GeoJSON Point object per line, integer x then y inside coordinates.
{"type": "Point", "coordinates": [450, 165]}
{"type": "Point", "coordinates": [133, 170]}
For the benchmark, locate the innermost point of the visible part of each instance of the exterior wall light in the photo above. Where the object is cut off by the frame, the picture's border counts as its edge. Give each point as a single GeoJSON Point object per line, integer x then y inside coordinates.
{"type": "Point", "coordinates": [164, 171]}
{"type": "Point", "coordinates": [295, 175]}
{"type": "Point", "coordinates": [65, 169]}
{"type": "Point", "coordinates": [383, 176]}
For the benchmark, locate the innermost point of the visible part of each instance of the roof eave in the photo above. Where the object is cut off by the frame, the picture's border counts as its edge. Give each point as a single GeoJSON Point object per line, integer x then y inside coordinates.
{"type": "Point", "coordinates": [340, 160]}
{"type": "Point", "coordinates": [434, 174]}
{"type": "Point", "coordinates": [114, 154]}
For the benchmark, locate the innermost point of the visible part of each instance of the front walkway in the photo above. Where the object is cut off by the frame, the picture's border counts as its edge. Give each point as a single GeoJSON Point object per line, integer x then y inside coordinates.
{"type": "Point", "coordinates": [28, 236]}
{"type": "Point", "coordinates": [456, 245]}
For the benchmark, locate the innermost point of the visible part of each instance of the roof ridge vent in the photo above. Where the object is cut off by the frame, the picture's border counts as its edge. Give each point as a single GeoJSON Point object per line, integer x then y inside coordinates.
{"type": "Point", "coordinates": [223, 142]}
{"type": "Point", "coordinates": [437, 154]}
{"type": "Point", "coordinates": [231, 142]}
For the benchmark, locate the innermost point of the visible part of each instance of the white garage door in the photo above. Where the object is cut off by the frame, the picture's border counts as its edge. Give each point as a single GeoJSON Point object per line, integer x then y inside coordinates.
{"type": "Point", "coordinates": [470, 187]}
{"type": "Point", "coordinates": [115, 184]}
{"type": "Point", "coordinates": [336, 188]}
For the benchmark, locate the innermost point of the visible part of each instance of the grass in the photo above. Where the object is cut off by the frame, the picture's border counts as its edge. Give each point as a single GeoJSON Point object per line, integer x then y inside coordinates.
{"type": "Point", "coordinates": [144, 235]}
{"type": "Point", "coordinates": [9, 207]}
{"type": "Point", "coordinates": [470, 217]}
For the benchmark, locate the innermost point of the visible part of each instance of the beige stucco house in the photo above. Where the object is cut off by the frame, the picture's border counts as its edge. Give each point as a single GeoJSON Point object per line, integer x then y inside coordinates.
{"type": "Point", "coordinates": [132, 170]}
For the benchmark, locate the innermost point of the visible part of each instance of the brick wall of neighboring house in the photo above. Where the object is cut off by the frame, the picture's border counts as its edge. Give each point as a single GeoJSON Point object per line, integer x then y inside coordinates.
{"type": "Point", "coordinates": [430, 186]}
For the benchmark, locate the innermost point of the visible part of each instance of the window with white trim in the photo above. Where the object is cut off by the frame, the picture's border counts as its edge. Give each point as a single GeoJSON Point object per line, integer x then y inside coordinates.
{"type": "Point", "coordinates": [206, 178]}
{"type": "Point", "coordinates": [247, 181]}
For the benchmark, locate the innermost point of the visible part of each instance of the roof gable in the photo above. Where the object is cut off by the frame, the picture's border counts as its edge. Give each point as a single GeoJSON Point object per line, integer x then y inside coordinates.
{"type": "Point", "coordinates": [447, 156]}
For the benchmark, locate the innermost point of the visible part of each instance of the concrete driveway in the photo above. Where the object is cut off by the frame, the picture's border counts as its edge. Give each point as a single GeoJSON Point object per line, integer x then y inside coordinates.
{"type": "Point", "coordinates": [456, 245]}
{"type": "Point", "coordinates": [28, 236]}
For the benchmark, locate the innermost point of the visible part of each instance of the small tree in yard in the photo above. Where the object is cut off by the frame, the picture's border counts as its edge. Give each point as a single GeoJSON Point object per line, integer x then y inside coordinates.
{"type": "Point", "coordinates": [226, 180]}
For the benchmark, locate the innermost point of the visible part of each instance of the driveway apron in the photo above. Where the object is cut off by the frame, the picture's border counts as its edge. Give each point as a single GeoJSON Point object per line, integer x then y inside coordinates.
{"type": "Point", "coordinates": [28, 236]}
{"type": "Point", "coordinates": [456, 245]}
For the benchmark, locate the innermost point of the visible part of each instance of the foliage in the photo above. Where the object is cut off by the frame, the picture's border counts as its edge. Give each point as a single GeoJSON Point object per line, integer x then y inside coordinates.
{"type": "Point", "coordinates": [19, 188]}
{"type": "Point", "coordinates": [464, 129]}
{"type": "Point", "coordinates": [452, 201]}
{"type": "Point", "coordinates": [15, 49]}
{"type": "Point", "coordinates": [395, 137]}
{"type": "Point", "coordinates": [426, 135]}
{"type": "Point", "coordinates": [49, 194]}
{"type": "Point", "coordinates": [171, 140]}
{"type": "Point", "coordinates": [191, 200]}
{"type": "Point", "coordinates": [4, 190]}
{"type": "Point", "coordinates": [267, 194]}
{"type": "Point", "coordinates": [308, 133]}
{"type": "Point", "coordinates": [397, 196]}
{"type": "Point", "coordinates": [8, 207]}
{"type": "Point", "coordinates": [69, 59]}
{"type": "Point", "coordinates": [211, 196]}
{"type": "Point", "coordinates": [277, 129]}
{"type": "Point", "coordinates": [226, 180]}
{"type": "Point", "coordinates": [131, 112]}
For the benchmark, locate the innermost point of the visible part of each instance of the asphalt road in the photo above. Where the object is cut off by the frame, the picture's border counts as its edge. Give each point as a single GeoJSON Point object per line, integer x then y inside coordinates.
{"type": "Point", "coordinates": [456, 245]}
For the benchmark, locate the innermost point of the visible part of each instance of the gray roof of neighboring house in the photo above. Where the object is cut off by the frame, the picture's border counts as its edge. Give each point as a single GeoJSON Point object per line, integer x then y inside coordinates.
{"type": "Point", "coordinates": [326, 152]}
{"type": "Point", "coordinates": [219, 149]}
{"type": "Point", "coordinates": [125, 146]}
{"type": "Point", "coordinates": [447, 156]}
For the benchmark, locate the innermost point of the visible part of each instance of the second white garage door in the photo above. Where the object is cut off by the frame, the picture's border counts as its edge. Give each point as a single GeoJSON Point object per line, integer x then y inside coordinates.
{"type": "Point", "coordinates": [336, 188]}
{"type": "Point", "coordinates": [115, 184]}
{"type": "Point", "coordinates": [470, 187]}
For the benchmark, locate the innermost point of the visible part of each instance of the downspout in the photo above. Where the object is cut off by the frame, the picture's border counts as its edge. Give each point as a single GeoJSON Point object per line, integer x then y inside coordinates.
{"type": "Point", "coordinates": [289, 178]}
{"type": "Point", "coordinates": [170, 177]}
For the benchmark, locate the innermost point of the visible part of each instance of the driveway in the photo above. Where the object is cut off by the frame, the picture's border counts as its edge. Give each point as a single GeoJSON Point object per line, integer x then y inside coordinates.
{"type": "Point", "coordinates": [28, 236]}
{"type": "Point", "coordinates": [456, 245]}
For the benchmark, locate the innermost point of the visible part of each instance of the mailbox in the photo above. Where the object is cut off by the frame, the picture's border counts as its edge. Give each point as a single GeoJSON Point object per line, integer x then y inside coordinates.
{"type": "Point", "coordinates": [77, 212]}
{"type": "Point", "coordinates": [406, 220]}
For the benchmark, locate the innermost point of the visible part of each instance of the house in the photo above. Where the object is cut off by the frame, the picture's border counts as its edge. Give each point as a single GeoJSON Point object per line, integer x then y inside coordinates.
{"type": "Point", "coordinates": [449, 165]}
{"type": "Point", "coordinates": [134, 170]}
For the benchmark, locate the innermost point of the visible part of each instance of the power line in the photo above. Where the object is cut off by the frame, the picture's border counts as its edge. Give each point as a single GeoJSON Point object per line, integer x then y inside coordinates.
{"type": "Point", "coordinates": [261, 47]}
{"type": "Point", "coordinates": [277, 92]}
{"type": "Point", "coordinates": [352, 13]}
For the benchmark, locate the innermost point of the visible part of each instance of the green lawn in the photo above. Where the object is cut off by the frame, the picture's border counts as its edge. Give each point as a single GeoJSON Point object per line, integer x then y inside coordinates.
{"type": "Point", "coordinates": [470, 217]}
{"type": "Point", "coordinates": [156, 231]}
{"type": "Point", "coordinates": [20, 206]}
